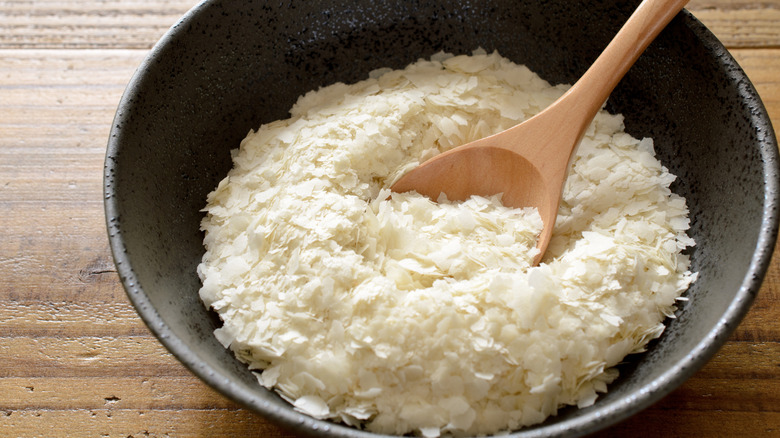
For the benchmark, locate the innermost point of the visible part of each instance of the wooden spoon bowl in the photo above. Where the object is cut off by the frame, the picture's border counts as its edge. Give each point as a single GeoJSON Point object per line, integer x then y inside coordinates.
{"type": "Point", "coordinates": [528, 163]}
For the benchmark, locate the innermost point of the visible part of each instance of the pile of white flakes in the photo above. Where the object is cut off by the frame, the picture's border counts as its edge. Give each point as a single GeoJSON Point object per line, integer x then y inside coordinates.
{"type": "Point", "coordinates": [403, 315]}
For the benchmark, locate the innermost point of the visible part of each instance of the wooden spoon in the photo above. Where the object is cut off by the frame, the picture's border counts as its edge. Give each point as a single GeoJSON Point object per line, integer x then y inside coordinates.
{"type": "Point", "coordinates": [528, 163]}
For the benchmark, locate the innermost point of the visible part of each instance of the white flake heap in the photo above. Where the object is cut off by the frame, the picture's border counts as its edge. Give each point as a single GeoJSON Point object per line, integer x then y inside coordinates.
{"type": "Point", "coordinates": [402, 315]}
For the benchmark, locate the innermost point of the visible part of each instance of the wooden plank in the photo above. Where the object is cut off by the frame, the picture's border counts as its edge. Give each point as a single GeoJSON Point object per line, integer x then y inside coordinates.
{"type": "Point", "coordinates": [742, 362]}
{"type": "Point", "coordinates": [69, 319]}
{"type": "Point", "coordinates": [740, 24]}
{"type": "Point", "coordinates": [755, 395]}
{"type": "Point", "coordinates": [700, 397]}
{"type": "Point", "coordinates": [86, 356]}
{"type": "Point", "coordinates": [27, 24]}
{"type": "Point", "coordinates": [654, 423]}
{"type": "Point", "coordinates": [142, 392]}
{"type": "Point", "coordinates": [36, 68]}
{"type": "Point", "coordinates": [138, 423]}
{"type": "Point", "coordinates": [56, 109]}
{"type": "Point", "coordinates": [82, 24]}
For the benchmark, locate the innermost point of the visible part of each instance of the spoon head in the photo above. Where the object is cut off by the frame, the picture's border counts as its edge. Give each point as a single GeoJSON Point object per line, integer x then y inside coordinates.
{"type": "Point", "coordinates": [486, 171]}
{"type": "Point", "coordinates": [482, 171]}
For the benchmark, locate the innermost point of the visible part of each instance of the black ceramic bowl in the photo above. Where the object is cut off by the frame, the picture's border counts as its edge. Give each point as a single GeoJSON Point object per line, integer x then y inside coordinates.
{"type": "Point", "coordinates": [230, 66]}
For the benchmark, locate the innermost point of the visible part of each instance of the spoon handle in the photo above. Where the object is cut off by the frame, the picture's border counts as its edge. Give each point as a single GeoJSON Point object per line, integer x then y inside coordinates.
{"type": "Point", "coordinates": [569, 117]}
{"type": "Point", "coordinates": [647, 21]}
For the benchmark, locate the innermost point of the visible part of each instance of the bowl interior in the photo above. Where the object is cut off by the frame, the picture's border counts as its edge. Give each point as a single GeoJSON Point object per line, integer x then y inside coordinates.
{"type": "Point", "coordinates": [228, 67]}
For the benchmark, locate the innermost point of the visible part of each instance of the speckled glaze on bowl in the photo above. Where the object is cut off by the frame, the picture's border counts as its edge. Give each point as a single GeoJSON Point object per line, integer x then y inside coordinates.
{"type": "Point", "coordinates": [229, 66]}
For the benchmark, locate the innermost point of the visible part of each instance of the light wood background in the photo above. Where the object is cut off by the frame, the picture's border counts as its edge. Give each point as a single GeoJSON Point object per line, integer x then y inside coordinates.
{"type": "Point", "coordinates": [75, 360]}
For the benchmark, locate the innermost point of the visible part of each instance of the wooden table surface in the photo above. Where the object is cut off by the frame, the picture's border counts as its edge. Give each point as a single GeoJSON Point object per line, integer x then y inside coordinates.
{"type": "Point", "coordinates": [76, 360]}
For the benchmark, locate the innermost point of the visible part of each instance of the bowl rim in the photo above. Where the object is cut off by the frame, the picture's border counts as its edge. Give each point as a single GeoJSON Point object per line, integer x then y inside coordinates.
{"type": "Point", "coordinates": [591, 422]}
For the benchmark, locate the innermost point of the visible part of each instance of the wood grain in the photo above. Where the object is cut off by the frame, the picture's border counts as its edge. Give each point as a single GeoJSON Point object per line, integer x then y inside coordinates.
{"type": "Point", "coordinates": [740, 23]}
{"type": "Point", "coordinates": [77, 360]}
{"type": "Point", "coordinates": [138, 24]}
{"type": "Point", "coordinates": [114, 422]}
{"type": "Point", "coordinates": [87, 24]}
